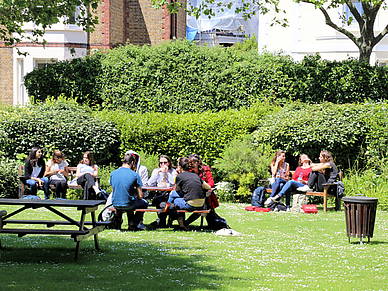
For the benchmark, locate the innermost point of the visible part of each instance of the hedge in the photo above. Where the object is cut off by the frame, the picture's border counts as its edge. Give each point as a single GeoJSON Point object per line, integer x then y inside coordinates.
{"type": "Point", "coordinates": [178, 135]}
{"type": "Point", "coordinates": [57, 124]}
{"type": "Point", "coordinates": [181, 77]}
{"type": "Point", "coordinates": [345, 130]}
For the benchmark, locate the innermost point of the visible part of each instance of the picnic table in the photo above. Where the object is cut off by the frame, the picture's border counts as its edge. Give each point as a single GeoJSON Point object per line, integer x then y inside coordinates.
{"type": "Point", "coordinates": [84, 229]}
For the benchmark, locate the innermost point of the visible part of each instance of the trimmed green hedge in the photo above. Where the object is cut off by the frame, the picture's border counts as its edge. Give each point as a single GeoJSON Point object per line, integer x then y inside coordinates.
{"type": "Point", "coordinates": [177, 135]}
{"type": "Point", "coordinates": [58, 124]}
{"type": "Point", "coordinates": [181, 77]}
{"type": "Point", "coordinates": [344, 130]}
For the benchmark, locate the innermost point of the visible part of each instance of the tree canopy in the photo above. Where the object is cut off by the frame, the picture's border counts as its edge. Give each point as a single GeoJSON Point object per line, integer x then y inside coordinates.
{"type": "Point", "coordinates": [364, 14]}
{"type": "Point", "coordinates": [14, 14]}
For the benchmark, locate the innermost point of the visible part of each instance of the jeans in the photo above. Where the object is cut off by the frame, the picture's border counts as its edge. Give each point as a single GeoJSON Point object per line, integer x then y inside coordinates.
{"type": "Point", "coordinates": [133, 218]}
{"type": "Point", "coordinates": [34, 186]}
{"type": "Point", "coordinates": [288, 188]}
{"type": "Point", "coordinates": [181, 203]}
{"type": "Point", "coordinates": [277, 186]}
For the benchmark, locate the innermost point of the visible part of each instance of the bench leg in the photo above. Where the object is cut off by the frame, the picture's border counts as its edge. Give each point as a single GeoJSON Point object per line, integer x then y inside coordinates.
{"type": "Point", "coordinates": [325, 200]}
{"type": "Point", "coordinates": [77, 248]}
{"type": "Point", "coordinates": [96, 243]}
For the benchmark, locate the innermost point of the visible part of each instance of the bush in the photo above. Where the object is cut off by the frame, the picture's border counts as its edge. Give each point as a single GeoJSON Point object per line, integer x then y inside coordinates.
{"type": "Point", "coordinates": [244, 163]}
{"type": "Point", "coordinates": [179, 135]}
{"type": "Point", "coordinates": [181, 77]}
{"type": "Point", "coordinates": [9, 178]}
{"type": "Point", "coordinates": [298, 128]}
{"type": "Point", "coordinates": [58, 124]}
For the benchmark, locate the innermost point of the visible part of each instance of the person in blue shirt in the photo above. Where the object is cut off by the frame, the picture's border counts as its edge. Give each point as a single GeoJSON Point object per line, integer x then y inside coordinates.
{"type": "Point", "coordinates": [127, 194]}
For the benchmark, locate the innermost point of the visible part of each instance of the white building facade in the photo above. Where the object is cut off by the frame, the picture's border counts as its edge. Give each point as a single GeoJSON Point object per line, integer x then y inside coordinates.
{"type": "Point", "coordinates": [308, 33]}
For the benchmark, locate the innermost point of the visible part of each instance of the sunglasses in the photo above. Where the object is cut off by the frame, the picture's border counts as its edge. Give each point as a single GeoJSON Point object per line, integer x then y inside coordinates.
{"type": "Point", "coordinates": [163, 163]}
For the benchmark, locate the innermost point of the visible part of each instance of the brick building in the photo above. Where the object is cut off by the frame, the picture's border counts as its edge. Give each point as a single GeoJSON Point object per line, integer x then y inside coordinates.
{"type": "Point", "coordinates": [120, 21]}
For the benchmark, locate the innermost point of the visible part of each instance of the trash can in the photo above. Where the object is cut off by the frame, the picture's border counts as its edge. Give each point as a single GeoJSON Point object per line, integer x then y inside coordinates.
{"type": "Point", "coordinates": [360, 214]}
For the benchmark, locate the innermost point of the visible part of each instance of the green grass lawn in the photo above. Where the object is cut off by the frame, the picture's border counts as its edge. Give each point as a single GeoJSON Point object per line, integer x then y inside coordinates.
{"type": "Point", "coordinates": [277, 251]}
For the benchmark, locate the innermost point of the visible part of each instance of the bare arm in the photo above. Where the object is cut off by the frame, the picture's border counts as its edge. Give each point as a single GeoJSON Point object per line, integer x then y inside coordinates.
{"type": "Point", "coordinates": [139, 192]}
{"type": "Point", "coordinates": [206, 186]}
{"type": "Point", "coordinates": [320, 167]}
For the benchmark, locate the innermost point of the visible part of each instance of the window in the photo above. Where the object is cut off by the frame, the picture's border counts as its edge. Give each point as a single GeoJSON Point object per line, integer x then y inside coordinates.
{"type": "Point", "coordinates": [20, 82]}
{"type": "Point", "coordinates": [348, 14]}
{"type": "Point", "coordinates": [74, 17]}
{"type": "Point", "coordinates": [42, 63]}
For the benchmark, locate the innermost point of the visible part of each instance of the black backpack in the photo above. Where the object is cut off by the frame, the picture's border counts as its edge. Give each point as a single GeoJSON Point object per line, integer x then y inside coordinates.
{"type": "Point", "coordinates": [279, 205]}
{"type": "Point", "coordinates": [215, 222]}
{"type": "Point", "coordinates": [113, 218]}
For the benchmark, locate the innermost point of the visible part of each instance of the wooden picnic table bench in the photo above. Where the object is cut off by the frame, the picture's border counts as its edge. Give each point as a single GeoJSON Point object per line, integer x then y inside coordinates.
{"type": "Point", "coordinates": [325, 194]}
{"type": "Point", "coordinates": [83, 229]}
{"type": "Point", "coordinates": [72, 176]}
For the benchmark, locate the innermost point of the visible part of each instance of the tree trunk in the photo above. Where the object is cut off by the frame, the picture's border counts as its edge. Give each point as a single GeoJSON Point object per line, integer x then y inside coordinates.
{"type": "Point", "coordinates": [365, 50]}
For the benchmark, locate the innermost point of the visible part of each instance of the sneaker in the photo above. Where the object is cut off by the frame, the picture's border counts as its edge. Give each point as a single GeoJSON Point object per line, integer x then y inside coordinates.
{"type": "Point", "coordinates": [141, 226]}
{"type": "Point", "coordinates": [305, 188]}
{"type": "Point", "coordinates": [288, 209]}
{"type": "Point", "coordinates": [275, 198]}
{"type": "Point", "coordinates": [268, 201]}
{"type": "Point", "coordinates": [96, 190]}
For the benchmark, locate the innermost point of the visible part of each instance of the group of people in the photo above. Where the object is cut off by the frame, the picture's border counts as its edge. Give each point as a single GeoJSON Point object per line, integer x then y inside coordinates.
{"type": "Point", "coordinates": [307, 176]}
{"type": "Point", "coordinates": [39, 174]}
{"type": "Point", "coordinates": [190, 181]}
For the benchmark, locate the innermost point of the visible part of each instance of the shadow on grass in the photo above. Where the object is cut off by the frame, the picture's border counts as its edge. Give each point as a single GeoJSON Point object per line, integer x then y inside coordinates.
{"type": "Point", "coordinates": [365, 242]}
{"type": "Point", "coordinates": [119, 265]}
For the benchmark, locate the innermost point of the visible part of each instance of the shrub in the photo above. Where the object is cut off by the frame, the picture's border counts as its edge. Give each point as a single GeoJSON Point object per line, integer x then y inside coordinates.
{"type": "Point", "coordinates": [298, 128]}
{"type": "Point", "coordinates": [244, 163]}
{"type": "Point", "coordinates": [179, 135]}
{"type": "Point", "coordinates": [9, 181]}
{"type": "Point", "coordinates": [58, 124]}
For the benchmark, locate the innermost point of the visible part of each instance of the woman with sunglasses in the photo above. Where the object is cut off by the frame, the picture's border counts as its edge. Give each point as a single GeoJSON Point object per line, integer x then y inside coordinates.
{"type": "Point", "coordinates": [58, 171]}
{"type": "Point", "coordinates": [164, 176]}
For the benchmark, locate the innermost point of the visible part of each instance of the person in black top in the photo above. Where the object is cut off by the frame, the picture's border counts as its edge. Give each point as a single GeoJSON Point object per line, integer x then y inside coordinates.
{"type": "Point", "coordinates": [189, 190]}
{"type": "Point", "coordinates": [324, 172]}
{"type": "Point", "coordinates": [34, 169]}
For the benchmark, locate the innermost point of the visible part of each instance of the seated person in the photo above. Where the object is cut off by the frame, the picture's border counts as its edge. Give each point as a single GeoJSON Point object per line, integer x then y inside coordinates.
{"type": "Point", "coordinates": [127, 194]}
{"type": "Point", "coordinates": [299, 179]}
{"type": "Point", "coordinates": [324, 172]}
{"type": "Point", "coordinates": [86, 173]}
{"type": "Point", "coordinates": [58, 171]}
{"type": "Point", "coordinates": [33, 172]}
{"type": "Point", "coordinates": [188, 194]}
{"type": "Point", "coordinates": [280, 171]}
{"type": "Point", "coordinates": [164, 176]}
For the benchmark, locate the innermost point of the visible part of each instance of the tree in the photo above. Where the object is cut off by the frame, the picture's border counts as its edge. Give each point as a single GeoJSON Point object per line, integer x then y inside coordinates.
{"type": "Point", "coordinates": [365, 17]}
{"type": "Point", "coordinates": [15, 13]}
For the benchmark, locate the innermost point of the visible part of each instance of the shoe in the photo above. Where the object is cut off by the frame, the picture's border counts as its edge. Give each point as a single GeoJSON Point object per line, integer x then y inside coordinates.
{"type": "Point", "coordinates": [268, 201]}
{"type": "Point", "coordinates": [141, 226]}
{"type": "Point", "coordinates": [96, 190]}
{"type": "Point", "coordinates": [288, 209]}
{"type": "Point", "coordinates": [276, 198]}
{"type": "Point", "coordinates": [305, 188]}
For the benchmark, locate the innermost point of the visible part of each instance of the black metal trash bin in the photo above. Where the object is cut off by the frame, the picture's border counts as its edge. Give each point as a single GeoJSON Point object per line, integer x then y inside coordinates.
{"type": "Point", "coordinates": [360, 215]}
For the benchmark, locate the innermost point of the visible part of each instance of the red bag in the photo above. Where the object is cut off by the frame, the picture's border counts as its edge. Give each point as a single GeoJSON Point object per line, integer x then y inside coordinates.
{"type": "Point", "coordinates": [250, 208]}
{"type": "Point", "coordinates": [213, 200]}
{"type": "Point", "coordinates": [312, 208]}
{"type": "Point", "coordinates": [259, 209]}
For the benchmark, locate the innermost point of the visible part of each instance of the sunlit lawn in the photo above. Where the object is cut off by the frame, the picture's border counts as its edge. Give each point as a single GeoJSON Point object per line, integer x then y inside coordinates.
{"type": "Point", "coordinates": [277, 251]}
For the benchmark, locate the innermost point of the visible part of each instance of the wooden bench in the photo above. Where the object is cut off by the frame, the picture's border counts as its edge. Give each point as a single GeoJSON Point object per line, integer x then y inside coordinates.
{"type": "Point", "coordinates": [72, 176]}
{"type": "Point", "coordinates": [323, 194]}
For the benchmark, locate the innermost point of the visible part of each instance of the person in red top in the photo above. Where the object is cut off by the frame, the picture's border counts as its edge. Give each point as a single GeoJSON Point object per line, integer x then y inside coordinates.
{"type": "Point", "coordinates": [299, 179]}
{"type": "Point", "coordinates": [202, 170]}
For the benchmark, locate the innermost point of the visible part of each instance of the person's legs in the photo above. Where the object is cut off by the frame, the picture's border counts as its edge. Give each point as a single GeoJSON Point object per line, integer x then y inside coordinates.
{"type": "Point", "coordinates": [288, 188]}
{"type": "Point", "coordinates": [63, 188]}
{"type": "Point", "coordinates": [320, 181]}
{"type": "Point", "coordinates": [46, 187]}
{"type": "Point", "coordinates": [277, 186]}
{"type": "Point", "coordinates": [33, 186]}
{"type": "Point", "coordinates": [57, 186]}
{"type": "Point", "coordinates": [139, 204]}
{"type": "Point", "coordinates": [173, 195]}
{"type": "Point", "coordinates": [87, 182]}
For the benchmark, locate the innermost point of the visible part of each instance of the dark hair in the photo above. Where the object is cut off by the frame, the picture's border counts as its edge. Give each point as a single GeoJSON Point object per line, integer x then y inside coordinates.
{"type": "Point", "coordinates": [33, 160]}
{"type": "Point", "coordinates": [168, 159]}
{"type": "Point", "coordinates": [201, 170]}
{"type": "Point", "coordinates": [129, 158]}
{"type": "Point", "coordinates": [57, 155]}
{"type": "Point", "coordinates": [90, 157]}
{"type": "Point", "coordinates": [184, 163]}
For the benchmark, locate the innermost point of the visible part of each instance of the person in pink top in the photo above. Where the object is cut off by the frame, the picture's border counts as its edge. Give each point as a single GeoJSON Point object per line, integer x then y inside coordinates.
{"type": "Point", "coordinates": [299, 179]}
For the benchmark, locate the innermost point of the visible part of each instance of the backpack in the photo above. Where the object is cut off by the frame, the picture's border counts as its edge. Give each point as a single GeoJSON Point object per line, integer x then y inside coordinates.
{"type": "Point", "coordinates": [258, 197]}
{"type": "Point", "coordinates": [277, 205]}
{"type": "Point", "coordinates": [113, 218]}
{"type": "Point", "coordinates": [215, 222]}
{"type": "Point", "coordinates": [298, 200]}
